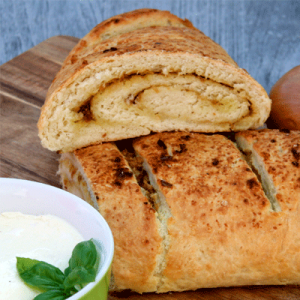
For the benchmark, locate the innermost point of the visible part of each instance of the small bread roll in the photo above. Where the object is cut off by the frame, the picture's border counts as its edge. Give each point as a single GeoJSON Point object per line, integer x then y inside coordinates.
{"type": "Point", "coordinates": [285, 112]}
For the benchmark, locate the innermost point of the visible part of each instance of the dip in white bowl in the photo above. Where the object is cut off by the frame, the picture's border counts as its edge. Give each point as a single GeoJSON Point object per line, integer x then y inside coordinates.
{"type": "Point", "coordinates": [37, 199]}
{"type": "Point", "coordinates": [47, 238]}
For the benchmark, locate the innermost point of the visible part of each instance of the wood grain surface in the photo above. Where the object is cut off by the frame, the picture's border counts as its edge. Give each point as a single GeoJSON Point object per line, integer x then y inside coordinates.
{"type": "Point", "coordinates": [24, 83]}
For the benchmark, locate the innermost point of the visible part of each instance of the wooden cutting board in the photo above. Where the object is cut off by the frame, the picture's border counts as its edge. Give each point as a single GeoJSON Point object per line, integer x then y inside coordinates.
{"type": "Point", "coordinates": [24, 83]}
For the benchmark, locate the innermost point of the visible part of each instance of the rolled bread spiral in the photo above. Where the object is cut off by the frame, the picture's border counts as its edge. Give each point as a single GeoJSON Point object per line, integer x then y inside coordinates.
{"type": "Point", "coordinates": [147, 71]}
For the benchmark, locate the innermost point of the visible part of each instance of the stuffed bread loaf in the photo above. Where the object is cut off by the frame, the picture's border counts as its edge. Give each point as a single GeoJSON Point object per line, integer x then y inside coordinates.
{"type": "Point", "coordinates": [200, 217]}
{"type": "Point", "coordinates": [147, 71]}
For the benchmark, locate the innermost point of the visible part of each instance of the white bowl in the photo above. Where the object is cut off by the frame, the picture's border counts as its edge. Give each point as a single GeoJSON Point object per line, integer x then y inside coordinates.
{"type": "Point", "coordinates": [35, 198]}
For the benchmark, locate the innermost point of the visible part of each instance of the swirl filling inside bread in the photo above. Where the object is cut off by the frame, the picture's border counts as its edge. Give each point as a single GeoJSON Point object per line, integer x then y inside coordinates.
{"type": "Point", "coordinates": [148, 72]}
{"type": "Point", "coordinates": [149, 100]}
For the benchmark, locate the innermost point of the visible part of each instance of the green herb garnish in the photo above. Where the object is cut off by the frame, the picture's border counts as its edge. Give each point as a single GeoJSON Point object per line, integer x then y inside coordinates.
{"type": "Point", "coordinates": [55, 284]}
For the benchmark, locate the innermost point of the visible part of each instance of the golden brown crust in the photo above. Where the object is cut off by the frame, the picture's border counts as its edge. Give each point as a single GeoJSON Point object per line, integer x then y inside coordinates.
{"type": "Point", "coordinates": [280, 153]}
{"type": "Point", "coordinates": [127, 22]}
{"type": "Point", "coordinates": [158, 39]}
{"type": "Point", "coordinates": [113, 27]}
{"type": "Point", "coordinates": [222, 231]}
{"type": "Point", "coordinates": [129, 214]}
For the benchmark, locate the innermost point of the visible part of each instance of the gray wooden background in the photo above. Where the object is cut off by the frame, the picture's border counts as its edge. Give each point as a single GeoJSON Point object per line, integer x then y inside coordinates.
{"type": "Point", "coordinates": [262, 36]}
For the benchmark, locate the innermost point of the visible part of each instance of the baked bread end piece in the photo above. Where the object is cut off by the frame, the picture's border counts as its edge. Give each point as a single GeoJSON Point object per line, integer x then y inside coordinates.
{"type": "Point", "coordinates": [101, 176]}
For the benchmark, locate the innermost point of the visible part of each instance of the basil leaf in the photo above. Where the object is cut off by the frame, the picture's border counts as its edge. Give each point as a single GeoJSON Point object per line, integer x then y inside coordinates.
{"type": "Point", "coordinates": [52, 295]}
{"type": "Point", "coordinates": [24, 264]}
{"type": "Point", "coordinates": [85, 255]}
{"type": "Point", "coordinates": [82, 269]}
{"type": "Point", "coordinates": [79, 276]}
{"type": "Point", "coordinates": [42, 275]}
{"type": "Point", "coordinates": [67, 271]}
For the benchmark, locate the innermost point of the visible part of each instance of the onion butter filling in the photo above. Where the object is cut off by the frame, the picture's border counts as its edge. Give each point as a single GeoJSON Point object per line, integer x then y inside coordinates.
{"type": "Point", "coordinates": [153, 98]}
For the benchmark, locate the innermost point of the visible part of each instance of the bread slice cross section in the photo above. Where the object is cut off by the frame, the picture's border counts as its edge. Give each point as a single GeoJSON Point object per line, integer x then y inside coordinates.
{"type": "Point", "coordinates": [147, 71]}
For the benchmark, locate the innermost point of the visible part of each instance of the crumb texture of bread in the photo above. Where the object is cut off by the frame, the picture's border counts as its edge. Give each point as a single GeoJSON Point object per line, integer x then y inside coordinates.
{"type": "Point", "coordinates": [147, 71]}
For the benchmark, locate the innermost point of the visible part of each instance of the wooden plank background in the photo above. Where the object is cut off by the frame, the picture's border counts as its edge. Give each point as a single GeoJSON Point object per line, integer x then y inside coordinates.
{"type": "Point", "coordinates": [262, 36]}
{"type": "Point", "coordinates": [24, 82]}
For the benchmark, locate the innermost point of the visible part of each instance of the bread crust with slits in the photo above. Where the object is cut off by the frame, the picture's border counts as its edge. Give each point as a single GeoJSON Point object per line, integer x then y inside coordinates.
{"type": "Point", "coordinates": [275, 156]}
{"type": "Point", "coordinates": [213, 225]}
{"type": "Point", "coordinates": [103, 178]}
{"type": "Point", "coordinates": [222, 230]}
{"type": "Point", "coordinates": [144, 71]}
{"type": "Point", "coordinates": [278, 152]}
